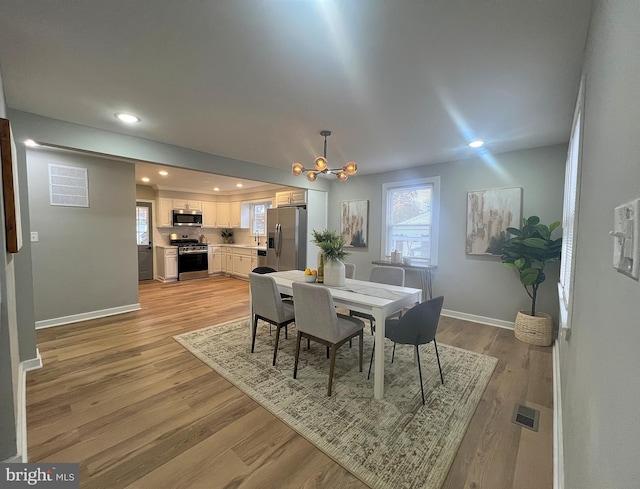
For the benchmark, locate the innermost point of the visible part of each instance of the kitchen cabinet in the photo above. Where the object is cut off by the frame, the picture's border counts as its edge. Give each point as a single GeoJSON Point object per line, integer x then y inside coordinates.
{"type": "Point", "coordinates": [164, 218]}
{"type": "Point", "coordinates": [236, 214]}
{"type": "Point", "coordinates": [192, 205]}
{"type": "Point", "coordinates": [215, 259]}
{"type": "Point", "coordinates": [167, 263]}
{"type": "Point", "coordinates": [223, 218]}
{"type": "Point", "coordinates": [240, 261]}
{"type": "Point", "coordinates": [291, 197]}
{"type": "Point", "coordinates": [209, 215]}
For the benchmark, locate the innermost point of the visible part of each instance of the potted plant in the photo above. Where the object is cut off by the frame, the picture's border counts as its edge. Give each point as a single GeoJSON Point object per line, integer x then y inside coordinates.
{"type": "Point", "coordinates": [332, 251]}
{"type": "Point", "coordinates": [528, 252]}
{"type": "Point", "coordinates": [227, 235]}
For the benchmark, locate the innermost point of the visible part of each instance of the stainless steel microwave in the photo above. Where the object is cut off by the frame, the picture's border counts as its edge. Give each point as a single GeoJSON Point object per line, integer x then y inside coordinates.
{"type": "Point", "coordinates": [186, 217]}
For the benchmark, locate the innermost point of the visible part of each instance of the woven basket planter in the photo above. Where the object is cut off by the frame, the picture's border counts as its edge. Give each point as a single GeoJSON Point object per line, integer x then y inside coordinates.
{"type": "Point", "coordinates": [536, 330]}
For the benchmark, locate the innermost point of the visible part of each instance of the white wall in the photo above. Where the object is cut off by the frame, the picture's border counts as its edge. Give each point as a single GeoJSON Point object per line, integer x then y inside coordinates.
{"type": "Point", "coordinates": [600, 363]}
{"type": "Point", "coordinates": [476, 285]}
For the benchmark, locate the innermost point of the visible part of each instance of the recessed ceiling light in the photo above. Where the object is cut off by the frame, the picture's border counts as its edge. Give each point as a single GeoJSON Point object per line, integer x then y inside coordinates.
{"type": "Point", "coordinates": [476, 144]}
{"type": "Point", "coordinates": [128, 118]}
{"type": "Point", "coordinates": [31, 143]}
{"type": "Point", "coordinates": [216, 189]}
{"type": "Point", "coordinates": [145, 179]}
{"type": "Point", "coordinates": [239, 185]}
{"type": "Point", "coordinates": [163, 173]}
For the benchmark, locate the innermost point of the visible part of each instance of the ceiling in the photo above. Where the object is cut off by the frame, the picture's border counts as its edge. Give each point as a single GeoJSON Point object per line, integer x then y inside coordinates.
{"type": "Point", "coordinates": [400, 84]}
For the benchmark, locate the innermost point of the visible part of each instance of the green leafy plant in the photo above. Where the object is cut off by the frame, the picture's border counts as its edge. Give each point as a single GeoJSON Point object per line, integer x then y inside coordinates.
{"type": "Point", "coordinates": [529, 250]}
{"type": "Point", "coordinates": [227, 235]}
{"type": "Point", "coordinates": [331, 244]}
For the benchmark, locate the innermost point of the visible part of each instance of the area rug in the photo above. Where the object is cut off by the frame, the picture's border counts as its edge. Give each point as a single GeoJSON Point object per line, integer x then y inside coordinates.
{"type": "Point", "coordinates": [388, 444]}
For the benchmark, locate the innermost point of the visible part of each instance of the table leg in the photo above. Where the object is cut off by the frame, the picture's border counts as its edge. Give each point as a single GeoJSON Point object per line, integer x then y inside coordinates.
{"type": "Point", "coordinates": [378, 368]}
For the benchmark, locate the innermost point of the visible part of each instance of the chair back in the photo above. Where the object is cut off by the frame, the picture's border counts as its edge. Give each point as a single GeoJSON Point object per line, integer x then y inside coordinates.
{"type": "Point", "coordinates": [315, 311]}
{"type": "Point", "coordinates": [350, 270]}
{"type": "Point", "coordinates": [387, 275]}
{"type": "Point", "coordinates": [265, 297]}
{"type": "Point", "coordinates": [419, 324]}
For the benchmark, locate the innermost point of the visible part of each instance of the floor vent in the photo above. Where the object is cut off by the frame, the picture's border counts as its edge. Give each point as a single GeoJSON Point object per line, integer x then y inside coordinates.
{"type": "Point", "coordinates": [526, 416]}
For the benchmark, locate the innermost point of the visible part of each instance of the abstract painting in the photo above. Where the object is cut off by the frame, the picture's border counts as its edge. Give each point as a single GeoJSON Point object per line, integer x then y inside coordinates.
{"type": "Point", "coordinates": [355, 222]}
{"type": "Point", "coordinates": [489, 214]}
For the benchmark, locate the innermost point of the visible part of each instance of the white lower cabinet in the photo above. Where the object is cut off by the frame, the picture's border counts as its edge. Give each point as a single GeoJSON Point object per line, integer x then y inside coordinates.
{"type": "Point", "coordinates": [215, 259]}
{"type": "Point", "coordinates": [167, 263]}
{"type": "Point", "coordinates": [239, 261]}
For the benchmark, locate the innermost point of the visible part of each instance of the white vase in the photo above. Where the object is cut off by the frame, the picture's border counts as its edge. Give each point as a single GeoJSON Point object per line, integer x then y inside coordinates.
{"type": "Point", "coordinates": [334, 273]}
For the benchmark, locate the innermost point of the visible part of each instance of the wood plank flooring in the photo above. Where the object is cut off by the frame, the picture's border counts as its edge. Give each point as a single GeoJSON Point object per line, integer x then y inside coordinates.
{"type": "Point", "coordinates": [122, 398]}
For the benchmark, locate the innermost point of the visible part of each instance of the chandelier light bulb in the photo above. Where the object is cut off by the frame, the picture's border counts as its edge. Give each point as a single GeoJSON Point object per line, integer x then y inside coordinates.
{"type": "Point", "coordinates": [312, 176]}
{"type": "Point", "coordinates": [297, 169]}
{"type": "Point", "coordinates": [321, 163]}
{"type": "Point", "coordinates": [351, 168]}
{"type": "Point", "coordinates": [342, 176]}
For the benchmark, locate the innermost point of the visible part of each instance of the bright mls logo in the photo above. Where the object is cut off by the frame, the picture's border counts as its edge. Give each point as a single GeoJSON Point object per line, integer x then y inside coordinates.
{"type": "Point", "coordinates": [54, 476]}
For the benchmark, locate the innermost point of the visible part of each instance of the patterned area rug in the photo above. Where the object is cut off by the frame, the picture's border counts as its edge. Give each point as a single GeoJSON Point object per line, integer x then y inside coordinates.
{"type": "Point", "coordinates": [389, 444]}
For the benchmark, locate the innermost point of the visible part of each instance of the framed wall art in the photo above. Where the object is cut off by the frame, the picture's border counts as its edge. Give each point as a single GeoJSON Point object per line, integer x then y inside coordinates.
{"type": "Point", "coordinates": [8, 157]}
{"type": "Point", "coordinates": [489, 214]}
{"type": "Point", "coordinates": [354, 219]}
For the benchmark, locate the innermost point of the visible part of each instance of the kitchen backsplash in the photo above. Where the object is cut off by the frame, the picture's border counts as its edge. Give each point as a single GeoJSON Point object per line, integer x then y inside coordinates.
{"type": "Point", "coordinates": [240, 236]}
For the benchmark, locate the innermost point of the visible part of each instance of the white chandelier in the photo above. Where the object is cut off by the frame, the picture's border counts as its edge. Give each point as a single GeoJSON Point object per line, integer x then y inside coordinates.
{"type": "Point", "coordinates": [321, 166]}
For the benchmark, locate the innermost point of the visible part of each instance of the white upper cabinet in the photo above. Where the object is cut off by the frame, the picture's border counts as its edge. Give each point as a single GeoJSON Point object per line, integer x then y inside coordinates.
{"type": "Point", "coordinates": [164, 219]}
{"type": "Point", "coordinates": [291, 197]}
{"type": "Point", "coordinates": [224, 214]}
{"type": "Point", "coordinates": [235, 214]}
{"type": "Point", "coordinates": [192, 205]}
{"type": "Point", "coordinates": [209, 215]}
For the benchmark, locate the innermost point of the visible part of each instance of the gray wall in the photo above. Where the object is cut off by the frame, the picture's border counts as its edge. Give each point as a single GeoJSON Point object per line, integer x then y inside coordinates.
{"type": "Point", "coordinates": [86, 259]}
{"type": "Point", "coordinates": [600, 363]}
{"type": "Point", "coordinates": [476, 285]}
{"type": "Point", "coordinates": [8, 337]}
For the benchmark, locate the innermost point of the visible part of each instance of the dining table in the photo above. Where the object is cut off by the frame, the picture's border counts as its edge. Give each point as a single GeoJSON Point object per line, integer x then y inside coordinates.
{"type": "Point", "coordinates": [379, 300]}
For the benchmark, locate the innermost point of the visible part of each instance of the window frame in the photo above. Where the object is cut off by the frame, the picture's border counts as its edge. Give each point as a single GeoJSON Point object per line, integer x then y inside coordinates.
{"type": "Point", "coordinates": [434, 183]}
{"type": "Point", "coordinates": [268, 203]}
{"type": "Point", "coordinates": [570, 215]}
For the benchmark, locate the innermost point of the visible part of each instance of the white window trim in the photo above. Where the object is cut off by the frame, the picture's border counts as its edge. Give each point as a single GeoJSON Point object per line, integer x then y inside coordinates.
{"type": "Point", "coordinates": [435, 212]}
{"type": "Point", "coordinates": [251, 203]}
{"type": "Point", "coordinates": [573, 171]}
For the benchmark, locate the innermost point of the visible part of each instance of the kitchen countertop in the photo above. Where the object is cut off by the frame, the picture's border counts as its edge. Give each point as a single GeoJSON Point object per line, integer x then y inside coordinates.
{"type": "Point", "coordinates": [234, 245]}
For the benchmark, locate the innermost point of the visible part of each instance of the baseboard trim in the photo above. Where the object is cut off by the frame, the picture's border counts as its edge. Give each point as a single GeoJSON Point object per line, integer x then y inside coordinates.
{"type": "Point", "coordinates": [85, 316]}
{"type": "Point", "coordinates": [478, 319]}
{"type": "Point", "coordinates": [21, 421]}
{"type": "Point", "coordinates": [558, 446]}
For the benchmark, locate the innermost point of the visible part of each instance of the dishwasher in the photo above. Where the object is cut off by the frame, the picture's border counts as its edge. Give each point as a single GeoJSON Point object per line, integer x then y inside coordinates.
{"type": "Point", "coordinates": [262, 258]}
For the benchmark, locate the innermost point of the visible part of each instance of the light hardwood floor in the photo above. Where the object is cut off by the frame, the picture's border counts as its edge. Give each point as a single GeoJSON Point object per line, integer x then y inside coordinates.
{"type": "Point", "coordinates": [122, 398]}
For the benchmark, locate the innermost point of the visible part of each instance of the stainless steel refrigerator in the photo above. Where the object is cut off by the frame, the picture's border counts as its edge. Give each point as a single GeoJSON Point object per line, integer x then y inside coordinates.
{"type": "Point", "coordinates": [287, 238]}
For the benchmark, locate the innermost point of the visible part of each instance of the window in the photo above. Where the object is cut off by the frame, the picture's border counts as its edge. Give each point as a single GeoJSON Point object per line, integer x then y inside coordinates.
{"type": "Point", "coordinates": [570, 216]}
{"type": "Point", "coordinates": [258, 224]}
{"type": "Point", "coordinates": [411, 219]}
{"type": "Point", "coordinates": [142, 225]}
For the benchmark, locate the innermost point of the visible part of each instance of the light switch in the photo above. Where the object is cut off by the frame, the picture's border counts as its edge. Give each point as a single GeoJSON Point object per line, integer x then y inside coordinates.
{"type": "Point", "coordinates": [626, 234]}
{"type": "Point", "coordinates": [34, 236]}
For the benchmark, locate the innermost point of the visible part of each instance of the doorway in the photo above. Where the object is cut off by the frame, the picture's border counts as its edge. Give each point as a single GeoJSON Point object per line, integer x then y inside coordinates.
{"type": "Point", "coordinates": [144, 240]}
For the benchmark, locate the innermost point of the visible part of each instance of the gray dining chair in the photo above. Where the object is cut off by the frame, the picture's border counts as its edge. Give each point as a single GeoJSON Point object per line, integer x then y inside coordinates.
{"type": "Point", "coordinates": [381, 275]}
{"type": "Point", "coordinates": [317, 320]}
{"type": "Point", "coordinates": [350, 270]}
{"type": "Point", "coordinates": [268, 306]}
{"type": "Point", "coordinates": [417, 326]}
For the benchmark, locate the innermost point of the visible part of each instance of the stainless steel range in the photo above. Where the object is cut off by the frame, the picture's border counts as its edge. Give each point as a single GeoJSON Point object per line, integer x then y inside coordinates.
{"type": "Point", "coordinates": [193, 257]}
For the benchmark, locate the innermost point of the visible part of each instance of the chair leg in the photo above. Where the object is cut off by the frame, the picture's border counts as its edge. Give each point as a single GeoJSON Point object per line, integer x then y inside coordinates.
{"type": "Point", "coordinates": [308, 344]}
{"type": "Point", "coordinates": [295, 365]}
{"type": "Point", "coordinates": [371, 361]}
{"type": "Point", "coordinates": [360, 340]}
{"type": "Point", "coordinates": [253, 332]}
{"type": "Point", "coordinates": [275, 348]}
{"type": "Point", "coordinates": [332, 368]}
{"type": "Point", "coordinates": [393, 353]}
{"type": "Point", "coordinates": [420, 373]}
{"type": "Point", "coordinates": [286, 332]}
{"type": "Point", "coordinates": [438, 357]}
{"type": "Point", "coordinates": [327, 352]}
